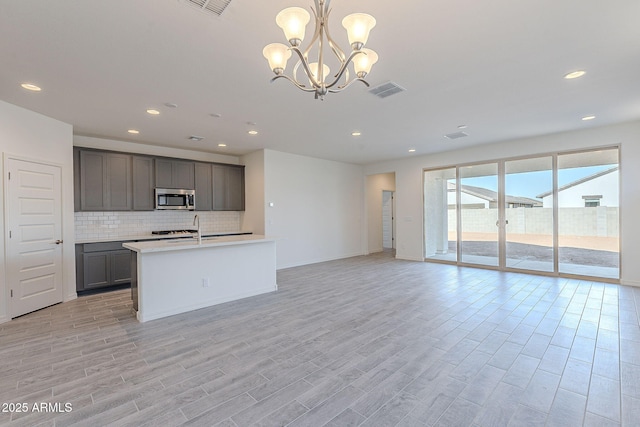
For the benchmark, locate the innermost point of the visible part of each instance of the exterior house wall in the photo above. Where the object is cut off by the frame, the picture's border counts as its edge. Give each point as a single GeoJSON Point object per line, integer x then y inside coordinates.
{"type": "Point", "coordinates": [606, 185]}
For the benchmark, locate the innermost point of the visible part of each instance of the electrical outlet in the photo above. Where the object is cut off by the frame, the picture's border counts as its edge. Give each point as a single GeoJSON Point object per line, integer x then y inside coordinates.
{"type": "Point", "coordinates": [205, 282]}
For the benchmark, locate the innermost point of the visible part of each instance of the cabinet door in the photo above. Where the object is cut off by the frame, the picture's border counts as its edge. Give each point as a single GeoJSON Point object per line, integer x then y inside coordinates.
{"type": "Point", "coordinates": [219, 187]}
{"type": "Point", "coordinates": [119, 182]}
{"type": "Point", "coordinates": [183, 175]}
{"type": "Point", "coordinates": [164, 174]}
{"type": "Point", "coordinates": [76, 180]}
{"type": "Point", "coordinates": [93, 181]}
{"type": "Point", "coordinates": [235, 189]}
{"type": "Point", "coordinates": [142, 183]}
{"type": "Point", "coordinates": [120, 267]}
{"type": "Point", "coordinates": [96, 269]}
{"type": "Point", "coordinates": [204, 192]}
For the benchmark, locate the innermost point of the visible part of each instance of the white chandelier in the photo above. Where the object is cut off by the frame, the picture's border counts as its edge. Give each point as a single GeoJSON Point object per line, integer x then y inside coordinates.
{"type": "Point", "coordinates": [293, 21]}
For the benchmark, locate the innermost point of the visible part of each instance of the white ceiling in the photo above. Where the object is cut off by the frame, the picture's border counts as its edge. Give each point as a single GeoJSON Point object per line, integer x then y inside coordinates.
{"type": "Point", "coordinates": [494, 65]}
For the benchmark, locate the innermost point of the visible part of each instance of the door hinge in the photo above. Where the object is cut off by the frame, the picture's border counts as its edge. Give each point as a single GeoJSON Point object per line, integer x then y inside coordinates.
{"type": "Point", "coordinates": [11, 293]}
{"type": "Point", "coordinates": [9, 176]}
{"type": "Point", "coordinates": [9, 233]}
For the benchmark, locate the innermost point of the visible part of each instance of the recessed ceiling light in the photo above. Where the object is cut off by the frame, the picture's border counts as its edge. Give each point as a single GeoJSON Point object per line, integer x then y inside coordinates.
{"type": "Point", "coordinates": [31, 87]}
{"type": "Point", "coordinates": [462, 126]}
{"type": "Point", "coordinates": [222, 145]}
{"type": "Point", "coordinates": [195, 138]}
{"type": "Point", "coordinates": [170, 105]}
{"type": "Point", "coordinates": [574, 74]}
{"type": "Point", "coordinates": [133, 131]}
{"type": "Point", "coordinates": [153, 112]}
{"type": "Point", "coordinates": [253, 132]}
{"type": "Point", "coordinates": [587, 118]}
{"type": "Point", "coordinates": [412, 150]}
{"type": "Point", "coordinates": [216, 115]}
{"type": "Point", "coordinates": [356, 133]}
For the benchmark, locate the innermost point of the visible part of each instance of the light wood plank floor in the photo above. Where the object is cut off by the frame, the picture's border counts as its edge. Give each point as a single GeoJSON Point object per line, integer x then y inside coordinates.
{"type": "Point", "coordinates": [363, 341]}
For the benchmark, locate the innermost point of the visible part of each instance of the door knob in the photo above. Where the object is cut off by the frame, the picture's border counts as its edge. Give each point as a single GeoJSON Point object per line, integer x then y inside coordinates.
{"type": "Point", "coordinates": [58, 242]}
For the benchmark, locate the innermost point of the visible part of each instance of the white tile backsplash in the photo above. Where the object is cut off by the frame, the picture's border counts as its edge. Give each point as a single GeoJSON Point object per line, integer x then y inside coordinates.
{"type": "Point", "coordinates": [102, 225]}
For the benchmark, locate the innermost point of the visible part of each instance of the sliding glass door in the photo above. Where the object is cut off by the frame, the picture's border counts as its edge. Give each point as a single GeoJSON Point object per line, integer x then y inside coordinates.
{"type": "Point", "coordinates": [557, 214]}
{"type": "Point", "coordinates": [479, 214]}
{"type": "Point", "coordinates": [588, 213]}
{"type": "Point", "coordinates": [528, 222]}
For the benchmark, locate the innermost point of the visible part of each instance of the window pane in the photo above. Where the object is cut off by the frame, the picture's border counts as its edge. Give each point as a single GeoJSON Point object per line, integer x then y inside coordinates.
{"type": "Point", "coordinates": [529, 229]}
{"type": "Point", "coordinates": [588, 212]}
{"type": "Point", "coordinates": [441, 236]}
{"type": "Point", "coordinates": [479, 214]}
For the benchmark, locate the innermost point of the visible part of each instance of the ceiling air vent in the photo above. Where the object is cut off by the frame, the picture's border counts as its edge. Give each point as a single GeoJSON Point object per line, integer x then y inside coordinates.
{"type": "Point", "coordinates": [210, 6]}
{"type": "Point", "coordinates": [456, 135]}
{"type": "Point", "coordinates": [386, 89]}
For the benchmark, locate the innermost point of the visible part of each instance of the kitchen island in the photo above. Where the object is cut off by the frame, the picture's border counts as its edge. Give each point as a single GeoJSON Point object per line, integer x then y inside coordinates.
{"type": "Point", "coordinates": [176, 276]}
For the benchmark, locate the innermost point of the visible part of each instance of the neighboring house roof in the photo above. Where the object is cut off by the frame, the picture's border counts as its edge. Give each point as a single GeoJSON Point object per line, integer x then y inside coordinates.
{"type": "Point", "coordinates": [492, 196]}
{"type": "Point", "coordinates": [580, 181]}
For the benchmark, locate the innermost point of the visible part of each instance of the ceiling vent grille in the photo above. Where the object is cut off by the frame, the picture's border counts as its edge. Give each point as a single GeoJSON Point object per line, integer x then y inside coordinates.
{"type": "Point", "coordinates": [386, 89]}
{"type": "Point", "coordinates": [456, 135]}
{"type": "Point", "coordinates": [210, 6]}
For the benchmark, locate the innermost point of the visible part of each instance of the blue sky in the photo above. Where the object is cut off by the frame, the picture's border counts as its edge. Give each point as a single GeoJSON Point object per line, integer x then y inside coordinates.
{"type": "Point", "coordinates": [531, 184]}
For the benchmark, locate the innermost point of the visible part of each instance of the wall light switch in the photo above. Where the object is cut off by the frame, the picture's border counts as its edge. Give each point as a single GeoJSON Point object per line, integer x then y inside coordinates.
{"type": "Point", "coordinates": [205, 282]}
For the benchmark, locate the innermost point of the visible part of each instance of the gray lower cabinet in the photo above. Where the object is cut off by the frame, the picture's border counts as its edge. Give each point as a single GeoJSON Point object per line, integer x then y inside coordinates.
{"type": "Point", "coordinates": [228, 187]}
{"type": "Point", "coordinates": [105, 181]}
{"type": "Point", "coordinates": [174, 174]}
{"type": "Point", "coordinates": [143, 183]}
{"type": "Point", "coordinates": [101, 265]}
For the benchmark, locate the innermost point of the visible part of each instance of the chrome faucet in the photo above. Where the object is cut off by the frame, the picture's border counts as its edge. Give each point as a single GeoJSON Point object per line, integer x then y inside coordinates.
{"type": "Point", "coordinates": [197, 219]}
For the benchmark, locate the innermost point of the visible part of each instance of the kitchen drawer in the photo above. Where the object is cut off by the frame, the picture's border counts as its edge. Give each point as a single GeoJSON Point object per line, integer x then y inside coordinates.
{"type": "Point", "coordinates": [102, 246]}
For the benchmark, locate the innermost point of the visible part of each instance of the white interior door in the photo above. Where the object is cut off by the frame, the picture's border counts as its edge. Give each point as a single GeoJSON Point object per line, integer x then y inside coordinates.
{"type": "Point", "coordinates": [34, 231]}
{"type": "Point", "coordinates": [387, 219]}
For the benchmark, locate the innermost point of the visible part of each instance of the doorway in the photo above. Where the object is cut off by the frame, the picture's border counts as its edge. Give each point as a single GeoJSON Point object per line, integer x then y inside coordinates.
{"type": "Point", "coordinates": [555, 214]}
{"type": "Point", "coordinates": [388, 225]}
{"type": "Point", "coordinates": [34, 235]}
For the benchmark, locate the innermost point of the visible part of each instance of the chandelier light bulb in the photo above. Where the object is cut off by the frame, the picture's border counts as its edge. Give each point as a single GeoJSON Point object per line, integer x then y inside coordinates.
{"type": "Point", "coordinates": [358, 26]}
{"type": "Point", "coordinates": [293, 21]}
{"type": "Point", "coordinates": [277, 54]}
{"type": "Point", "coordinates": [314, 71]}
{"type": "Point", "coordinates": [363, 62]}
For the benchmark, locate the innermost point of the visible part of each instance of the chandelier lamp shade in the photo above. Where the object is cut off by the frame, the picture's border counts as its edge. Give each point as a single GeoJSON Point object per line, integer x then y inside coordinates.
{"type": "Point", "coordinates": [293, 21]}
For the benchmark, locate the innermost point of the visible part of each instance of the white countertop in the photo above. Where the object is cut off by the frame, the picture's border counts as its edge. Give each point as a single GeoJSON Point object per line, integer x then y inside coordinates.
{"type": "Point", "coordinates": [150, 236]}
{"type": "Point", "coordinates": [182, 244]}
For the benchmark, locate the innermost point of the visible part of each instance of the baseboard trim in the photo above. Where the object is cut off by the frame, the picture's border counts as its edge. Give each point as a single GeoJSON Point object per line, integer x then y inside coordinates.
{"type": "Point", "coordinates": [633, 283]}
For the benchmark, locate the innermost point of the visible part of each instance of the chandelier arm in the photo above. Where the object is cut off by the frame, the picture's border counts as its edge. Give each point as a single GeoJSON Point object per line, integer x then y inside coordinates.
{"type": "Point", "coordinates": [343, 68]}
{"type": "Point", "coordinates": [341, 88]}
{"type": "Point", "coordinates": [307, 70]}
{"type": "Point", "coordinates": [339, 53]}
{"type": "Point", "coordinates": [298, 85]}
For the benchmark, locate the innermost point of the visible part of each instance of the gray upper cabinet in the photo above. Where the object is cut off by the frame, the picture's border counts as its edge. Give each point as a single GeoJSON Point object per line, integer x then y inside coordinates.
{"type": "Point", "coordinates": [175, 174]}
{"type": "Point", "coordinates": [119, 194]}
{"type": "Point", "coordinates": [204, 192]}
{"type": "Point", "coordinates": [228, 187]}
{"type": "Point", "coordinates": [112, 181]}
{"type": "Point", "coordinates": [143, 183]}
{"type": "Point", "coordinates": [105, 181]}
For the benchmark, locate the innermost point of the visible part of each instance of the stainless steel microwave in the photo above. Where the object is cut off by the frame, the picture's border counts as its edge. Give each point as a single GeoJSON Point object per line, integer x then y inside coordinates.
{"type": "Point", "coordinates": [171, 198]}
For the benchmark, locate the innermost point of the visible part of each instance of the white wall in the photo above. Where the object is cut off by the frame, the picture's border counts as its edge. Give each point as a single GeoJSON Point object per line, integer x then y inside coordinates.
{"type": "Point", "coordinates": [33, 136]}
{"type": "Point", "coordinates": [376, 184]}
{"type": "Point", "coordinates": [317, 211]}
{"type": "Point", "coordinates": [409, 231]}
